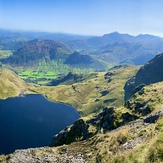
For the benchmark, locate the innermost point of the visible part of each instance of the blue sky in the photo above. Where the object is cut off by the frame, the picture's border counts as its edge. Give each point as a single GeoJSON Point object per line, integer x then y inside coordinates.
{"type": "Point", "coordinates": [87, 17]}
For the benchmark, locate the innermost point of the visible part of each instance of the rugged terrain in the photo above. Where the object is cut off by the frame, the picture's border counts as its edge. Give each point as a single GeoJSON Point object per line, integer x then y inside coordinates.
{"type": "Point", "coordinates": [130, 140]}
{"type": "Point", "coordinates": [150, 73]}
{"type": "Point", "coordinates": [42, 60]}
{"type": "Point", "coordinates": [90, 93]}
{"type": "Point", "coordinates": [110, 48]}
{"type": "Point", "coordinates": [121, 108]}
{"type": "Point", "coordinates": [130, 133]}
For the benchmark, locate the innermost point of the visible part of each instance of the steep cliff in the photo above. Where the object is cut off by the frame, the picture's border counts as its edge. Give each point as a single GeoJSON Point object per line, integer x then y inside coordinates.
{"type": "Point", "coordinates": [151, 72]}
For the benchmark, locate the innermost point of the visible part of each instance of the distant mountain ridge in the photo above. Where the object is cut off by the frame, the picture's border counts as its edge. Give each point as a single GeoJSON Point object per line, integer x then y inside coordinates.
{"type": "Point", "coordinates": [38, 49]}
{"type": "Point", "coordinates": [42, 52]}
{"type": "Point", "coordinates": [122, 48]}
{"type": "Point", "coordinates": [113, 48]}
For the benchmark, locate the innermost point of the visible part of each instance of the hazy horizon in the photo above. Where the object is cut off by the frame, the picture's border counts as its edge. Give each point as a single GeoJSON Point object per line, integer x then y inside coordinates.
{"type": "Point", "coordinates": [83, 17]}
{"type": "Point", "coordinates": [84, 35]}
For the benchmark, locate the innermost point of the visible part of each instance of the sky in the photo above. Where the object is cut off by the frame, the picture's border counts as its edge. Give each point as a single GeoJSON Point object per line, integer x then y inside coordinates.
{"type": "Point", "coordinates": [85, 17]}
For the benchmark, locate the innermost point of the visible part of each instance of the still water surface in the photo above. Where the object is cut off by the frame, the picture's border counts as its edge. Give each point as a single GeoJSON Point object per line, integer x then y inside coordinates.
{"type": "Point", "coordinates": [31, 121]}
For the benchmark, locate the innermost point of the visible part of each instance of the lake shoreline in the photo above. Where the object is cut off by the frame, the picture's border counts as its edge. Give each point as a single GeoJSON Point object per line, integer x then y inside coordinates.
{"type": "Point", "coordinates": [32, 124]}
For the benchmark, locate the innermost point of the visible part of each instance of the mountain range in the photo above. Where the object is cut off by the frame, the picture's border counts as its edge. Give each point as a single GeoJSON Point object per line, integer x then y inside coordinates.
{"type": "Point", "coordinates": [131, 131]}
{"type": "Point", "coordinates": [35, 52]}
{"type": "Point", "coordinates": [121, 48]}
{"type": "Point", "coordinates": [113, 48]}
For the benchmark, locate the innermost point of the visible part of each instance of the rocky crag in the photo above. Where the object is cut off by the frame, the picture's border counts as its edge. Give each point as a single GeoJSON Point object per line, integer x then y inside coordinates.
{"type": "Point", "coordinates": [150, 73]}
{"type": "Point", "coordinates": [122, 139]}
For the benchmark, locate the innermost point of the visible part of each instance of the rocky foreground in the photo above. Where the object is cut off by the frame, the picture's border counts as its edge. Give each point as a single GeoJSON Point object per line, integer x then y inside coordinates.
{"type": "Point", "coordinates": [44, 155]}
{"type": "Point", "coordinates": [115, 141]}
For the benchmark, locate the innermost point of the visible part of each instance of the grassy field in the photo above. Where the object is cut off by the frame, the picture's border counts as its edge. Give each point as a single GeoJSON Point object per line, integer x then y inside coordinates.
{"type": "Point", "coordinates": [92, 94]}
{"type": "Point", "coordinates": [45, 72]}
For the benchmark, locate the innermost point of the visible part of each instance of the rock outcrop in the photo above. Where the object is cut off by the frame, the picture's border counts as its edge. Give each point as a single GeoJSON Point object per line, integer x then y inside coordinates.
{"type": "Point", "coordinates": [84, 129]}
{"type": "Point", "coordinates": [107, 120]}
{"type": "Point", "coordinates": [140, 130]}
{"type": "Point", "coordinates": [151, 72]}
{"type": "Point", "coordinates": [70, 78]}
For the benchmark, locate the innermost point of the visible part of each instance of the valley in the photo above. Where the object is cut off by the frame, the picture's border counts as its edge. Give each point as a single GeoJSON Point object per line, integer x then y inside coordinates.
{"type": "Point", "coordinates": [45, 56]}
{"type": "Point", "coordinates": [114, 81]}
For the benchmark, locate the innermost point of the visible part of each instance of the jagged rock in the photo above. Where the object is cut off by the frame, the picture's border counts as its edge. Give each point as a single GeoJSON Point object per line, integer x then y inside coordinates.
{"type": "Point", "coordinates": [135, 127]}
{"type": "Point", "coordinates": [138, 107]}
{"type": "Point", "coordinates": [131, 143]}
{"type": "Point", "coordinates": [153, 117]}
{"type": "Point", "coordinates": [82, 130]}
{"type": "Point", "coordinates": [78, 131]}
{"type": "Point", "coordinates": [108, 75]}
{"type": "Point", "coordinates": [104, 119]}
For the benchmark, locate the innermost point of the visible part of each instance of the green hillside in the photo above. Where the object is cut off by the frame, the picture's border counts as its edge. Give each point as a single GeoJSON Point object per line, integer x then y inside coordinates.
{"type": "Point", "coordinates": [30, 54]}
{"type": "Point", "coordinates": [40, 61]}
{"type": "Point", "coordinates": [108, 137]}
{"type": "Point", "coordinates": [114, 135]}
{"type": "Point", "coordinates": [121, 108]}
{"type": "Point", "coordinates": [90, 93]}
{"type": "Point", "coordinates": [11, 85]}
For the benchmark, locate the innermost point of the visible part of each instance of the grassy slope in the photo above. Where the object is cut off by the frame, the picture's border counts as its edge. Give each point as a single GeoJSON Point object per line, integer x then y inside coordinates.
{"type": "Point", "coordinates": [92, 94]}
{"type": "Point", "coordinates": [110, 147]}
{"type": "Point", "coordinates": [150, 96]}
{"type": "Point", "coordinates": [147, 139]}
{"type": "Point", "coordinates": [10, 84]}
{"type": "Point", "coordinates": [149, 149]}
{"type": "Point", "coordinates": [136, 142]}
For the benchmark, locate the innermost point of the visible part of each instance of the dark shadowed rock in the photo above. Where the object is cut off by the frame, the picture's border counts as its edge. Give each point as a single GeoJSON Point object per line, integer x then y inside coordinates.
{"type": "Point", "coordinates": [70, 78]}
{"type": "Point", "coordinates": [153, 117]}
{"type": "Point", "coordinates": [151, 72]}
{"type": "Point", "coordinates": [82, 130]}
{"type": "Point", "coordinates": [77, 58]}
